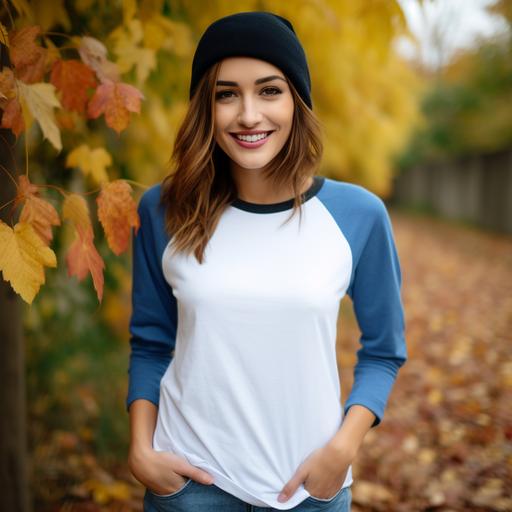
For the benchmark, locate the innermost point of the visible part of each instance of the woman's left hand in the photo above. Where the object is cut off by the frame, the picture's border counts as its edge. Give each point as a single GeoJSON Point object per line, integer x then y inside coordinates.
{"type": "Point", "coordinates": [322, 472]}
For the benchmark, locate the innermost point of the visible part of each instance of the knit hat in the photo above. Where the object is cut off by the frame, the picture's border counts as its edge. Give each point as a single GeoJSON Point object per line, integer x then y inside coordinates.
{"type": "Point", "coordinates": [258, 34]}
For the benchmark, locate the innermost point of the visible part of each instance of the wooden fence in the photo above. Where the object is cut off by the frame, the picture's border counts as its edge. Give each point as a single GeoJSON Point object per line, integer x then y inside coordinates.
{"type": "Point", "coordinates": [476, 189]}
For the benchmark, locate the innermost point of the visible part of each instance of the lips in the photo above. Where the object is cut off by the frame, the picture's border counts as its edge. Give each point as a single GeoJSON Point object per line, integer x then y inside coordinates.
{"type": "Point", "coordinates": [248, 144]}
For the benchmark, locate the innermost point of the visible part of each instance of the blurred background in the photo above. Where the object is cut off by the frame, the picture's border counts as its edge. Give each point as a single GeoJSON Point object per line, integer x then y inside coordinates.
{"type": "Point", "coordinates": [415, 98]}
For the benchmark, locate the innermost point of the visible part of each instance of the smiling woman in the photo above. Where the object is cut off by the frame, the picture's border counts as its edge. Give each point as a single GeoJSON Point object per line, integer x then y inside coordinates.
{"type": "Point", "coordinates": [234, 392]}
{"type": "Point", "coordinates": [253, 121]}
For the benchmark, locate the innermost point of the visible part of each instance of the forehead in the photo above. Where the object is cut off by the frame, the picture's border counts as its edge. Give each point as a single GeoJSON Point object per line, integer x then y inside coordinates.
{"type": "Point", "coordinates": [246, 69]}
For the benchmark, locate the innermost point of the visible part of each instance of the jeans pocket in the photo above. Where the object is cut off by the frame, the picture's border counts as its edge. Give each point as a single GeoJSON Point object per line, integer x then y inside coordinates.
{"type": "Point", "coordinates": [179, 491]}
{"type": "Point", "coordinates": [326, 500]}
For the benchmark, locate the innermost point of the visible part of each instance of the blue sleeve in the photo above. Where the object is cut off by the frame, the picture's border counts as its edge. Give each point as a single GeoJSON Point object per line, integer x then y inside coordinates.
{"type": "Point", "coordinates": [153, 320]}
{"type": "Point", "coordinates": [375, 293]}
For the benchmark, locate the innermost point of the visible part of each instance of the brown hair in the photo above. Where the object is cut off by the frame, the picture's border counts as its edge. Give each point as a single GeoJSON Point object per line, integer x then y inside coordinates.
{"type": "Point", "coordinates": [199, 186]}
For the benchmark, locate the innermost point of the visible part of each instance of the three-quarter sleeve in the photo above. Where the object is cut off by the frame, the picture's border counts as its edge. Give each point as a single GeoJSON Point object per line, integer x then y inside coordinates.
{"type": "Point", "coordinates": [376, 296]}
{"type": "Point", "coordinates": [153, 320]}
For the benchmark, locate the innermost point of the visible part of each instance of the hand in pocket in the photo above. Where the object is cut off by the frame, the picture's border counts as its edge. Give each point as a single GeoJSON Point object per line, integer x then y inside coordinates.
{"type": "Point", "coordinates": [165, 472]}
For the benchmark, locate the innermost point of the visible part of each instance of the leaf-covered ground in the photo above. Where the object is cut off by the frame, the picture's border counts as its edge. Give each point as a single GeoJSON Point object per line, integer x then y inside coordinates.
{"type": "Point", "coordinates": [445, 443]}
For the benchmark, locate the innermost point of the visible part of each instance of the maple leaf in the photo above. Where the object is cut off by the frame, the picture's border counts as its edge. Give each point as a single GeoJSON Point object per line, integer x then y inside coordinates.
{"type": "Point", "coordinates": [130, 52]}
{"type": "Point", "coordinates": [40, 100]}
{"type": "Point", "coordinates": [116, 100]}
{"type": "Point", "coordinates": [73, 78]}
{"type": "Point", "coordinates": [37, 212]}
{"type": "Point", "coordinates": [83, 258]}
{"type": "Point", "coordinates": [94, 54]}
{"type": "Point", "coordinates": [92, 162]}
{"type": "Point", "coordinates": [75, 209]}
{"type": "Point", "coordinates": [12, 117]}
{"type": "Point", "coordinates": [22, 256]}
{"type": "Point", "coordinates": [117, 213]}
{"type": "Point", "coordinates": [28, 57]}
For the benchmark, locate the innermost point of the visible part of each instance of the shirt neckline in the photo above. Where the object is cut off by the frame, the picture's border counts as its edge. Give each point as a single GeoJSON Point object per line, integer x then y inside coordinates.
{"type": "Point", "coordinates": [247, 206]}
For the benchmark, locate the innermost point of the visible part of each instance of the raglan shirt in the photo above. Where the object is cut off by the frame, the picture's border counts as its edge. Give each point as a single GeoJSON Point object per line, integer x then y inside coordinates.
{"type": "Point", "coordinates": [239, 352]}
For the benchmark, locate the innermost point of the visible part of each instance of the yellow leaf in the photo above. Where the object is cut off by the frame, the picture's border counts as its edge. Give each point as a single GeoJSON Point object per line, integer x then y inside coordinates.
{"type": "Point", "coordinates": [75, 209]}
{"type": "Point", "coordinates": [4, 38]}
{"type": "Point", "coordinates": [130, 53]}
{"type": "Point", "coordinates": [40, 99]}
{"type": "Point", "coordinates": [170, 35]}
{"type": "Point", "coordinates": [22, 256]}
{"type": "Point", "coordinates": [92, 162]}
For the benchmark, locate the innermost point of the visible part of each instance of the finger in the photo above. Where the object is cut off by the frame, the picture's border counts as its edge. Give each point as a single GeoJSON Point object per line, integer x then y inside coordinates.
{"type": "Point", "coordinates": [197, 474]}
{"type": "Point", "coordinates": [292, 485]}
{"type": "Point", "coordinates": [184, 468]}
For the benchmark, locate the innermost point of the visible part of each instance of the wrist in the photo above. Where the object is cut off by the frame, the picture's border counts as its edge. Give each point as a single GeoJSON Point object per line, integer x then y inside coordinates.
{"type": "Point", "coordinates": [139, 451]}
{"type": "Point", "coordinates": [344, 449]}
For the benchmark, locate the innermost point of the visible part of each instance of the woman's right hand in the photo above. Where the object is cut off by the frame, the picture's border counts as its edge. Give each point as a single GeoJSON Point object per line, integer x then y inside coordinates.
{"type": "Point", "coordinates": [164, 472]}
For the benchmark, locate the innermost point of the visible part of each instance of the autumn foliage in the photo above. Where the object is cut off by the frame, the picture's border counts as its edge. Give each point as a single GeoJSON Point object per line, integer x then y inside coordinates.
{"type": "Point", "coordinates": [68, 83]}
{"type": "Point", "coordinates": [91, 87]}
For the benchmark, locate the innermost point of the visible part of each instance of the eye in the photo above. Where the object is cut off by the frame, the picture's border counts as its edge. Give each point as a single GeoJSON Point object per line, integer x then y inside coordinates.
{"type": "Point", "coordinates": [268, 91]}
{"type": "Point", "coordinates": [220, 95]}
{"type": "Point", "coordinates": [275, 89]}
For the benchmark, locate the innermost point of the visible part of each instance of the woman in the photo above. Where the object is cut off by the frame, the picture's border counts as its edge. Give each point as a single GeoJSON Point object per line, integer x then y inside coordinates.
{"type": "Point", "coordinates": [245, 414]}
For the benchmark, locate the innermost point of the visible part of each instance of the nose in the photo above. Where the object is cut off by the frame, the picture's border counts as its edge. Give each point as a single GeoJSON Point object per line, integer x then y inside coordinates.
{"type": "Point", "coordinates": [249, 113]}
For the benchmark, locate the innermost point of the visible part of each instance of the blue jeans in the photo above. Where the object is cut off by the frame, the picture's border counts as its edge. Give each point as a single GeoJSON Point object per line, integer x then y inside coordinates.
{"type": "Point", "coordinates": [196, 497]}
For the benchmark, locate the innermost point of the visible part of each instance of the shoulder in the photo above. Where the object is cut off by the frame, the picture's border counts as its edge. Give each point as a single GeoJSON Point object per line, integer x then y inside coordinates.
{"type": "Point", "coordinates": [346, 198]}
{"type": "Point", "coordinates": [150, 198]}
{"type": "Point", "coordinates": [152, 215]}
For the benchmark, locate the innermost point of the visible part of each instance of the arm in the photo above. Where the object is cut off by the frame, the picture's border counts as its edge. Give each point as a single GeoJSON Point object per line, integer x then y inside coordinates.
{"type": "Point", "coordinates": [375, 293]}
{"type": "Point", "coordinates": [152, 324]}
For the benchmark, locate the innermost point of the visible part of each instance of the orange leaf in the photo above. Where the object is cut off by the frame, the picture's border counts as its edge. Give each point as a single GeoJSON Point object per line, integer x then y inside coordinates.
{"type": "Point", "coordinates": [12, 117]}
{"type": "Point", "coordinates": [116, 100]}
{"type": "Point", "coordinates": [83, 258]}
{"type": "Point", "coordinates": [37, 212]}
{"type": "Point", "coordinates": [28, 57]}
{"type": "Point", "coordinates": [72, 78]}
{"type": "Point", "coordinates": [117, 213]}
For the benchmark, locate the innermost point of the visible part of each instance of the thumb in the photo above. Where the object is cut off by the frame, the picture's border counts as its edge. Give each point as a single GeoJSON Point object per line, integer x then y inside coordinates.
{"type": "Point", "coordinates": [291, 486]}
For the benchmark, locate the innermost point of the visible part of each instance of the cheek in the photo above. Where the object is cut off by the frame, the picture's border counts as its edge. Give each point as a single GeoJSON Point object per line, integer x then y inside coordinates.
{"type": "Point", "coordinates": [286, 115]}
{"type": "Point", "coordinates": [220, 119]}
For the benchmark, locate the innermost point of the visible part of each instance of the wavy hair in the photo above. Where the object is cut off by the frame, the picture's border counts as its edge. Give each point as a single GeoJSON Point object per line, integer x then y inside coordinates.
{"type": "Point", "coordinates": [198, 185]}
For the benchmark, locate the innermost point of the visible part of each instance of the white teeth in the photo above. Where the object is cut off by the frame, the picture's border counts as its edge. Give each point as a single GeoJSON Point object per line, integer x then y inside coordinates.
{"type": "Point", "coordinates": [252, 138]}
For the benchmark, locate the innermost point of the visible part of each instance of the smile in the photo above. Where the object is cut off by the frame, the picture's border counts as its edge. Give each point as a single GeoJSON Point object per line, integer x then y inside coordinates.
{"type": "Point", "coordinates": [251, 141]}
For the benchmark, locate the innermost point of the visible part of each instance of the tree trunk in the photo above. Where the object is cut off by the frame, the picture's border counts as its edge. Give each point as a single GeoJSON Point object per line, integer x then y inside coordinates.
{"type": "Point", "coordinates": [14, 486]}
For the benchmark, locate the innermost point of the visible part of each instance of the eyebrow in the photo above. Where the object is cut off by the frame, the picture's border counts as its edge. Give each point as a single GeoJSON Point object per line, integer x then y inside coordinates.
{"type": "Point", "coordinates": [256, 82]}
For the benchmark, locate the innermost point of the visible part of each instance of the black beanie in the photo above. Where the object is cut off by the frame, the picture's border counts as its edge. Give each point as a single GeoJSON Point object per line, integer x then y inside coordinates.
{"type": "Point", "coordinates": [258, 34]}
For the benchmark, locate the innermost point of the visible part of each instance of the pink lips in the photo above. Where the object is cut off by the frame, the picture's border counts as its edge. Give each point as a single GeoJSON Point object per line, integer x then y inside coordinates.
{"type": "Point", "coordinates": [251, 145]}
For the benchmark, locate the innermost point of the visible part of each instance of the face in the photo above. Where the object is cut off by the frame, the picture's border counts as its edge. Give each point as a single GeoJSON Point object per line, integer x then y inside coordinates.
{"type": "Point", "coordinates": [252, 97]}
